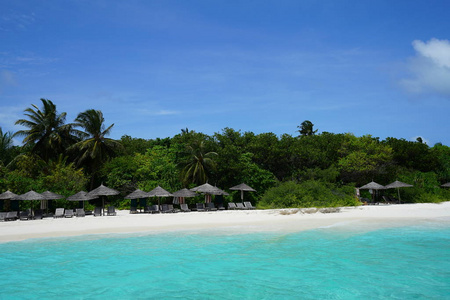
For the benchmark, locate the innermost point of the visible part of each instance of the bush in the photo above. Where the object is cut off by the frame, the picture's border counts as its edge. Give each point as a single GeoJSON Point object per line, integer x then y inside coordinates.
{"type": "Point", "coordinates": [311, 193]}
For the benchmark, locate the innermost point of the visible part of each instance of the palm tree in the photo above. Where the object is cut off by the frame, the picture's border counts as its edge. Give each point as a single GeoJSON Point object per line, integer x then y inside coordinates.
{"type": "Point", "coordinates": [6, 142]}
{"type": "Point", "coordinates": [47, 135]}
{"type": "Point", "coordinates": [198, 163]}
{"type": "Point", "coordinates": [95, 148]}
{"type": "Point", "coordinates": [306, 128]}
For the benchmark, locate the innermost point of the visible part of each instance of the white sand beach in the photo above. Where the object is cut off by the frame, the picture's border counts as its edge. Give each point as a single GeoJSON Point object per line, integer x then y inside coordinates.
{"type": "Point", "coordinates": [288, 220]}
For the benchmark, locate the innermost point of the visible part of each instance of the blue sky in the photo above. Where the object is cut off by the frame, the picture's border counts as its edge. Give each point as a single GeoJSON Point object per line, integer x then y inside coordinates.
{"type": "Point", "coordinates": [155, 67]}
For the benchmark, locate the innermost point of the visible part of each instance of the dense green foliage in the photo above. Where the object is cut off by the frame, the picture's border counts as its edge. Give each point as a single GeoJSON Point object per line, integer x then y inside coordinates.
{"type": "Point", "coordinates": [311, 169]}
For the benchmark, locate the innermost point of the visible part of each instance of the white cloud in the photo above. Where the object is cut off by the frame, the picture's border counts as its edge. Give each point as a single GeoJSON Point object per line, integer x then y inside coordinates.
{"type": "Point", "coordinates": [430, 68]}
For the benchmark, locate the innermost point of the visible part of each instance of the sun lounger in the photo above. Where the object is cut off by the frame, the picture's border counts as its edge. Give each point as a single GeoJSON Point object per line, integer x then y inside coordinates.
{"type": "Point", "coordinates": [174, 210]}
{"type": "Point", "coordinates": [111, 211]}
{"type": "Point", "coordinates": [133, 210]}
{"type": "Point", "coordinates": [166, 209]}
{"type": "Point", "coordinates": [211, 207]}
{"type": "Point", "coordinates": [37, 214]}
{"type": "Point", "coordinates": [97, 212]}
{"type": "Point", "coordinates": [3, 216]}
{"type": "Point", "coordinates": [184, 207]}
{"type": "Point", "coordinates": [232, 205]}
{"type": "Point", "coordinates": [79, 212]}
{"type": "Point", "coordinates": [248, 205]}
{"type": "Point", "coordinates": [11, 216]}
{"type": "Point", "coordinates": [240, 205]}
{"type": "Point", "coordinates": [25, 215]}
{"type": "Point", "coordinates": [68, 213]}
{"type": "Point", "coordinates": [154, 209]}
{"type": "Point", "coordinates": [200, 206]}
{"type": "Point", "coordinates": [59, 213]}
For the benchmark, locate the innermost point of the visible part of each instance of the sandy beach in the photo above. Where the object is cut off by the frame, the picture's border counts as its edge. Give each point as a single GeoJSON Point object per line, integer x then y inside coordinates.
{"type": "Point", "coordinates": [288, 220]}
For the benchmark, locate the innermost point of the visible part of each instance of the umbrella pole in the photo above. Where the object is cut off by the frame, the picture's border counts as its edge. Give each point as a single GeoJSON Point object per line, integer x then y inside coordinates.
{"type": "Point", "coordinates": [399, 199]}
{"type": "Point", "coordinates": [242, 196]}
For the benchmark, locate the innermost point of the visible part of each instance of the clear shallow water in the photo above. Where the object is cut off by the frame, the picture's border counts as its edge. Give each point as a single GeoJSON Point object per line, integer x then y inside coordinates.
{"type": "Point", "coordinates": [397, 263]}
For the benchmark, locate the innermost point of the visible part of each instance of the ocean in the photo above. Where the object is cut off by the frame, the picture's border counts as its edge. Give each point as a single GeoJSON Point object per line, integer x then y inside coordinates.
{"type": "Point", "coordinates": [406, 262]}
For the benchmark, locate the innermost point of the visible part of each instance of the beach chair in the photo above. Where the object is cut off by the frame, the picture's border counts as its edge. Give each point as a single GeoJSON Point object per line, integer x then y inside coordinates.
{"type": "Point", "coordinates": [68, 213]}
{"type": "Point", "coordinates": [200, 207]}
{"type": "Point", "coordinates": [232, 205]}
{"type": "Point", "coordinates": [165, 209]}
{"type": "Point", "coordinates": [59, 213]}
{"type": "Point", "coordinates": [240, 205]}
{"type": "Point", "coordinates": [11, 216]}
{"type": "Point", "coordinates": [211, 207]}
{"type": "Point", "coordinates": [97, 212]}
{"type": "Point", "coordinates": [184, 207]}
{"type": "Point", "coordinates": [38, 214]}
{"type": "Point", "coordinates": [154, 209]}
{"type": "Point", "coordinates": [3, 216]}
{"type": "Point", "coordinates": [25, 215]}
{"type": "Point", "coordinates": [133, 210]}
{"type": "Point", "coordinates": [249, 205]}
{"type": "Point", "coordinates": [173, 209]}
{"type": "Point", "coordinates": [79, 212]}
{"type": "Point", "coordinates": [111, 211]}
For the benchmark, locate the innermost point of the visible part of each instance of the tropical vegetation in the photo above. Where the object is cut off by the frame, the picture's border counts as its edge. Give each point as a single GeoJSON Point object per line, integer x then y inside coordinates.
{"type": "Point", "coordinates": [311, 169]}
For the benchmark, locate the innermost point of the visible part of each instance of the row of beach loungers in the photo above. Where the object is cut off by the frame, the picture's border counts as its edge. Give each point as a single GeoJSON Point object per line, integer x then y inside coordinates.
{"type": "Point", "coordinates": [168, 208]}
{"type": "Point", "coordinates": [59, 213]}
{"type": "Point", "coordinates": [111, 211]}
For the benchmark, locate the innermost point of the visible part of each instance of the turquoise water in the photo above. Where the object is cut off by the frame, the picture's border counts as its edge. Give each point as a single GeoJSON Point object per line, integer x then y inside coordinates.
{"type": "Point", "coordinates": [395, 263]}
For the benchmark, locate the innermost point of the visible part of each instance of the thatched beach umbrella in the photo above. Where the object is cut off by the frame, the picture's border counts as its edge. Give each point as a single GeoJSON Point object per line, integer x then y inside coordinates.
{"type": "Point", "coordinates": [137, 194]}
{"type": "Point", "coordinates": [102, 191]}
{"type": "Point", "coordinates": [397, 185]}
{"type": "Point", "coordinates": [209, 190]}
{"type": "Point", "coordinates": [243, 188]}
{"type": "Point", "coordinates": [8, 195]}
{"type": "Point", "coordinates": [181, 194]}
{"type": "Point", "coordinates": [159, 192]}
{"type": "Point", "coordinates": [30, 196]}
{"type": "Point", "coordinates": [446, 185]}
{"type": "Point", "coordinates": [372, 186]}
{"type": "Point", "coordinates": [49, 196]}
{"type": "Point", "coordinates": [81, 196]}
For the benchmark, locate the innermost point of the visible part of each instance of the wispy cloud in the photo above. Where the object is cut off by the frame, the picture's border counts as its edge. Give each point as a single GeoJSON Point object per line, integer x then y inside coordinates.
{"type": "Point", "coordinates": [430, 68]}
{"type": "Point", "coordinates": [16, 21]}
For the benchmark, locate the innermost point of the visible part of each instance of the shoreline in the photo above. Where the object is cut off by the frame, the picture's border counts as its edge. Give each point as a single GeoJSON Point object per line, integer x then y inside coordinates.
{"type": "Point", "coordinates": [359, 218]}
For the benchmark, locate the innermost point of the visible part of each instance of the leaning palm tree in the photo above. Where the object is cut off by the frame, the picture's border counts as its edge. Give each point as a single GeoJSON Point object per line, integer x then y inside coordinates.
{"type": "Point", "coordinates": [95, 148]}
{"type": "Point", "coordinates": [47, 135]}
{"type": "Point", "coordinates": [6, 142]}
{"type": "Point", "coordinates": [197, 163]}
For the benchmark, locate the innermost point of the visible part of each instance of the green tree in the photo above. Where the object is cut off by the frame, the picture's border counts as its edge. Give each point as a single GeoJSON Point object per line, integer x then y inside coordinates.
{"type": "Point", "coordinates": [95, 148]}
{"type": "Point", "coordinates": [306, 128]}
{"type": "Point", "coordinates": [6, 144]}
{"type": "Point", "coordinates": [47, 133]}
{"type": "Point", "coordinates": [198, 163]}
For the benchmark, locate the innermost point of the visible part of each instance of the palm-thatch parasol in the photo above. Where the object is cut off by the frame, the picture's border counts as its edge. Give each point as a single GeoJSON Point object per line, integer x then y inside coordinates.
{"type": "Point", "coordinates": [159, 192]}
{"type": "Point", "coordinates": [373, 186]}
{"type": "Point", "coordinates": [30, 196]}
{"type": "Point", "coordinates": [209, 190]}
{"type": "Point", "coordinates": [8, 195]}
{"type": "Point", "coordinates": [446, 184]}
{"type": "Point", "coordinates": [242, 187]}
{"type": "Point", "coordinates": [137, 194]}
{"type": "Point", "coordinates": [49, 196]}
{"type": "Point", "coordinates": [81, 196]}
{"type": "Point", "coordinates": [397, 185]}
{"type": "Point", "coordinates": [102, 191]}
{"type": "Point", "coordinates": [181, 194]}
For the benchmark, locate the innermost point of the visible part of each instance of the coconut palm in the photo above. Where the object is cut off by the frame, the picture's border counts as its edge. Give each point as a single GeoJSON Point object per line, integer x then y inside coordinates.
{"type": "Point", "coordinates": [197, 163]}
{"type": "Point", "coordinates": [95, 148]}
{"type": "Point", "coordinates": [47, 135]}
{"type": "Point", "coordinates": [6, 143]}
{"type": "Point", "coordinates": [306, 128]}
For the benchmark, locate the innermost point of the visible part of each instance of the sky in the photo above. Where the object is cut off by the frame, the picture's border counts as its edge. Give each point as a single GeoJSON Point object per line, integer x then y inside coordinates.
{"type": "Point", "coordinates": [156, 67]}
